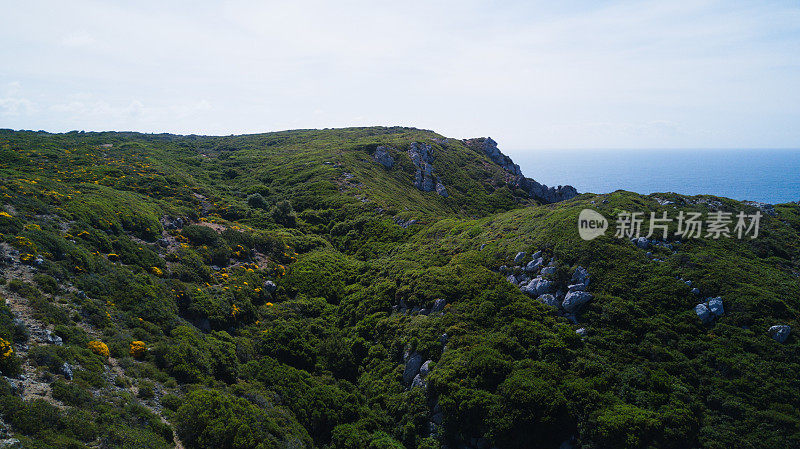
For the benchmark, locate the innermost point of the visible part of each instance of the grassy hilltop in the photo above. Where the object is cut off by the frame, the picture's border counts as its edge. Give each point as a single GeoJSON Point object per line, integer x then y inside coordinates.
{"type": "Point", "coordinates": [293, 290]}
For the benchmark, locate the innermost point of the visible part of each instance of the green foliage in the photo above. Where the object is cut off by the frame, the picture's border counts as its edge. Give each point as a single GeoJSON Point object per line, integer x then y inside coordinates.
{"type": "Point", "coordinates": [280, 310]}
{"type": "Point", "coordinates": [214, 420]}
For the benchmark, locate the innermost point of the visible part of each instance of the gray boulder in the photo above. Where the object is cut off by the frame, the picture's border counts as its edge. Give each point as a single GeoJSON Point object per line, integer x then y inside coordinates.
{"type": "Point", "coordinates": [382, 157]}
{"type": "Point", "coordinates": [512, 279]}
{"type": "Point", "coordinates": [519, 257]}
{"type": "Point", "coordinates": [534, 265]}
{"type": "Point", "coordinates": [780, 332]}
{"type": "Point", "coordinates": [438, 305]}
{"type": "Point", "coordinates": [715, 306]}
{"type": "Point", "coordinates": [425, 368]}
{"type": "Point", "coordinates": [537, 255]}
{"type": "Point", "coordinates": [440, 189]}
{"type": "Point", "coordinates": [703, 313]}
{"type": "Point", "coordinates": [66, 370]}
{"type": "Point", "coordinates": [575, 300]}
{"type": "Point", "coordinates": [548, 299]}
{"type": "Point", "coordinates": [576, 288]}
{"type": "Point", "coordinates": [413, 365]}
{"type": "Point", "coordinates": [581, 332]}
{"type": "Point", "coordinates": [695, 291]}
{"type": "Point", "coordinates": [53, 338]}
{"type": "Point", "coordinates": [270, 286]}
{"type": "Point", "coordinates": [548, 271]}
{"type": "Point", "coordinates": [642, 242]}
{"type": "Point", "coordinates": [581, 276]}
{"type": "Point", "coordinates": [537, 287]}
{"type": "Point", "coordinates": [418, 381]}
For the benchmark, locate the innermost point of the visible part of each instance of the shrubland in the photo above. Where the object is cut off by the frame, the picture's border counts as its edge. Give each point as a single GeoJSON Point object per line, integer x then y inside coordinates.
{"type": "Point", "coordinates": [271, 291]}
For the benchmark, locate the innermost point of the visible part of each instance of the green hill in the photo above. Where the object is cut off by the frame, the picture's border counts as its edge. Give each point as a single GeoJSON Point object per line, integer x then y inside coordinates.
{"type": "Point", "coordinates": [358, 288]}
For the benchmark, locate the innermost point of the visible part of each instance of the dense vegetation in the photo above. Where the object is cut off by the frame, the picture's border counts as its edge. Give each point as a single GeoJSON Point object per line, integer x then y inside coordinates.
{"type": "Point", "coordinates": [269, 291]}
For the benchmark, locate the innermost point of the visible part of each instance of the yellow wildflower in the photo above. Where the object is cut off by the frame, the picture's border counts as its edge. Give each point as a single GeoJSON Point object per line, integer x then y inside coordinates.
{"type": "Point", "coordinates": [137, 349]}
{"type": "Point", "coordinates": [99, 348]}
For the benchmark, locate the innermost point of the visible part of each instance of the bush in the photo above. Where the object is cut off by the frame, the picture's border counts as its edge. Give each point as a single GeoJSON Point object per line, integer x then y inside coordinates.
{"type": "Point", "coordinates": [256, 201]}
{"type": "Point", "coordinates": [210, 419]}
{"type": "Point", "coordinates": [99, 348]}
{"type": "Point", "coordinates": [283, 214]}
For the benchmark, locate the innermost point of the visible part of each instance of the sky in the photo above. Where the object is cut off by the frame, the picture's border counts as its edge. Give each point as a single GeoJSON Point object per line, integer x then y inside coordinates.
{"type": "Point", "coordinates": [530, 74]}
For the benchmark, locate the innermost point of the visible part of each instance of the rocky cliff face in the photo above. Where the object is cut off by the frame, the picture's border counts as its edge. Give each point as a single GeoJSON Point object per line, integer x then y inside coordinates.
{"type": "Point", "coordinates": [536, 190]}
{"type": "Point", "coordinates": [424, 179]}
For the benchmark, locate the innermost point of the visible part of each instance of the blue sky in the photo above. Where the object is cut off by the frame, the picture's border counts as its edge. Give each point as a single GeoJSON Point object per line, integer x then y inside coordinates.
{"type": "Point", "coordinates": [533, 75]}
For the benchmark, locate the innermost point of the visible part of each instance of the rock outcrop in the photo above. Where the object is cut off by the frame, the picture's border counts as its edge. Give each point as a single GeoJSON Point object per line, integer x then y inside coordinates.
{"type": "Point", "coordinates": [421, 156]}
{"type": "Point", "coordinates": [382, 156]}
{"type": "Point", "coordinates": [780, 332]}
{"type": "Point", "coordinates": [534, 189]}
{"type": "Point", "coordinates": [413, 364]}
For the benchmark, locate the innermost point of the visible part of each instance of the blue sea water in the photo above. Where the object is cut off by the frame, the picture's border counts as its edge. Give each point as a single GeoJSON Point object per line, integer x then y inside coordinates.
{"type": "Point", "coordinates": [770, 176]}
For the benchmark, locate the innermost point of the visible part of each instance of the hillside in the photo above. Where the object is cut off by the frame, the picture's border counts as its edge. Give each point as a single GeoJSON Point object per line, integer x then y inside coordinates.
{"type": "Point", "coordinates": [374, 288]}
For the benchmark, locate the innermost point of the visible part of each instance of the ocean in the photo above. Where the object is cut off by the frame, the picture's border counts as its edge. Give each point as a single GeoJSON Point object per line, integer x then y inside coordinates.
{"type": "Point", "coordinates": [770, 176]}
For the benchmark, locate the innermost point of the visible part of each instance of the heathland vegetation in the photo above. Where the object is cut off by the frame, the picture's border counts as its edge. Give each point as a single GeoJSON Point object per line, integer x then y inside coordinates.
{"type": "Point", "coordinates": [297, 290]}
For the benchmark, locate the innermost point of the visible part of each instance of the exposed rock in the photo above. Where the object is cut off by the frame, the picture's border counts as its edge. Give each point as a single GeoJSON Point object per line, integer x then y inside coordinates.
{"type": "Point", "coordinates": [418, 381]}
{"type": "Point", "coordinates": [536, 255]}
{"type": "Point", "coordinates": [534, 264]}
{"type": "Point", "coordinates": [270, 287]}
{"type": "Point", "coordinates": [425, 368]}
{"type": "Point", "coordinates": [443, 338]}
{"type": "Point", "coordinates": [780, 332]}
{"type": "Point", "coordinates": [53, 338]}
{"type": "Point", "coordinates": [768, 209]}
{"type": "Point", "coordinates": [422, 158]}
{"type": "Point", "coordinates": [440, 189]}
{"type": "Point", "coordinates": [512, 279]}
{"type": "Point", "coordinates": [10, 443]}
{"type": "Point", "coordinates": [715, 306]}
{"type": "Point", "coordinates": [695, 291]}
{"type": "Point", "coordinates": [548, 271]}
{"type": "Point", "coordinates": [642, 242]}
{"type": "Point", "coordinates": [575, 300]}
{"type": "Point", "coordinates": [576, 288]}
{"type": "Point", "coordinates": [438, 305]}
{"type": "Point", "coordinates": [537, 286]}
{"type": "Point", "coordinates": [66, 370]}
{"type": "Point", "coordinates": [519, 257]}
{"type": "Point", "coordinates": [581, 332]}
{"type": "Point", "coordinates": [381, 155]}
{"type": "Point", "coordinates": [703, 313]}
{"type": "Point", "coordinates": [581, 276]}
{"type": "Point", "coordinates": [540, 192]}
{"type": "Point", "coordinates": [413, 364]}
{"type": "Point", "coordinates": [548, 299]}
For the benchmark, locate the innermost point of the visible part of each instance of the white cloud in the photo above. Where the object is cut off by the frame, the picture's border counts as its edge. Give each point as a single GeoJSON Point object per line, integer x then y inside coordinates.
{"type": "Point", "coordinates": [14, 105]}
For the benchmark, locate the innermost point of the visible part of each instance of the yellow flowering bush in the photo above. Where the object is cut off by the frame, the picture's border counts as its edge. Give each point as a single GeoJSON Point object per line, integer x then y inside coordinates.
{"type": "Point", "coordinates": [99, 348]}
{"type": "Point", "coordinates": [137, 349]}
{"type": "Point", "coordinates": [5, 348]}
